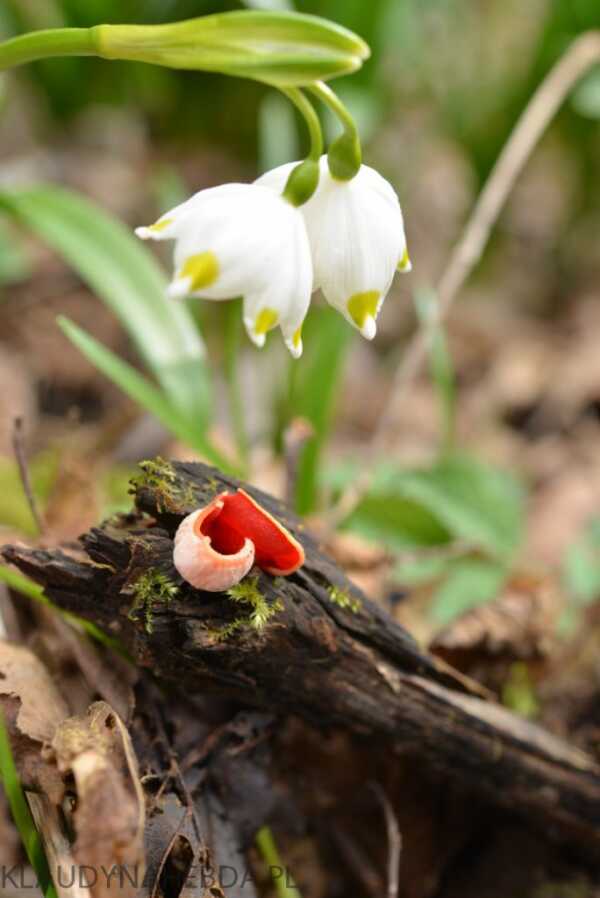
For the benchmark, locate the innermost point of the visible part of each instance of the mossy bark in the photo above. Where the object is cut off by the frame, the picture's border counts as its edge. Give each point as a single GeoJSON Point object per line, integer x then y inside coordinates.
{"type": "Point", "coordinates": [344, 664]}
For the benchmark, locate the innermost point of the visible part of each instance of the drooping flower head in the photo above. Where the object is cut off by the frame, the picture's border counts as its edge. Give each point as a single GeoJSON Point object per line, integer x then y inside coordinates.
{"type": "Point", "coordinates": [357, 240]}
{"type": "Point", "coordinates": [242, 240]}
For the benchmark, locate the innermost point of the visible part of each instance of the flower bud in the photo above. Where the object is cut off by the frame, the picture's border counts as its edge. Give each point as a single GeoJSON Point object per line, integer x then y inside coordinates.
{"type": "Point", "coordinates": [283, 49]}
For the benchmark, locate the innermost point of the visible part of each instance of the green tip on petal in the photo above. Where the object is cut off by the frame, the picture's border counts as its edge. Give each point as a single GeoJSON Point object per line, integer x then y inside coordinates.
{"type": "Point", "coordinates": [266, 320]}
{"type": "Point", "coordinates": [405, 265]}
{"type": "Point", "coordinates": [160, 225]}
{"type": "Point", "coordinates": [202, 270]}
{"type": "Point", "coordinates": [295, 344]}
{"type": "Point", "coordinates": [362, 308]}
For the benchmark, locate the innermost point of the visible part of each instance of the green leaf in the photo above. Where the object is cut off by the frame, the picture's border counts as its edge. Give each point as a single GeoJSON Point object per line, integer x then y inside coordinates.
{"type": "Point", "coordinates": [456, 498]}
{"type": "Point", "coordinates": [14, 261]}
{"type": "Point", "coordinates": [269, 4]}
{"type": "Point", "coordinates": [384, 514]}
{"type": "Point", "coordinates": [125, 276]}
{"type": "Point", "coordinates": [470, 582]}
{"type": "Point", "coordinates": [440, 362]}
{"type": "Point", "coordinates": [284, 49]}
{"type": "Point", "coordinates": [398, 522]}
{"type": "Point", "coordinates": [418, 571]}
{"type": "Point", "coordinates": [477, 503]}
{"type": "Point", "coordinates": [586, 99]}
{"type": "Point", "coordinates": [141, 391]}
{"type": "Point", "coordinates": [581, 566]}
{"type": "Point", "coordinates": [22, 815]}
{"type": "Point", "coordinates": [313, 391]}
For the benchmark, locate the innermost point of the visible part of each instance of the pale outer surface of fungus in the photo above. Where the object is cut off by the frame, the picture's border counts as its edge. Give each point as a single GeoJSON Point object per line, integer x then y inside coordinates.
{"type": "Point", "coordinates": [200, 564]}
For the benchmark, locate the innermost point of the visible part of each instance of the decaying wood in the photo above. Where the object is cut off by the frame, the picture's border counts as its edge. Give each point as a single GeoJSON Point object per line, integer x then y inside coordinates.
{"type": "Point", "coordinates": [327, 654]}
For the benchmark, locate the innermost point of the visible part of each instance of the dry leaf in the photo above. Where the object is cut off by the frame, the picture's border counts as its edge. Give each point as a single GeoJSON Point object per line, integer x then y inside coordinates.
{"type": "Point", "coordinates": [23, 676]}
{"type": "Point", "coordinates": [109, 814]}
{"type": "Point", "coordinates": [519, 625]}
{"type": "Point", "coordinates": [33, 709]}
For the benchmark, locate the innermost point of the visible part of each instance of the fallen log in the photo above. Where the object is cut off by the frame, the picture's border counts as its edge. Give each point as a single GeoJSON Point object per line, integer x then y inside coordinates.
{"type": "Point", "coordinates": [326, 653]}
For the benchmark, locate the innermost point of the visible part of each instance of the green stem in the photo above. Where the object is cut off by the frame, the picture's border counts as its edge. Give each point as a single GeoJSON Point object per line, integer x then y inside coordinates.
{"type": "Point", "coordinates": [345, 154]}
{"type": "Point", "coordinates": [284, 886]}
{"type": "Point", "coordinates": [307, 110]}
{"type": "Point", "coordinates": [233, 337]}
{"type": "Point", "coordinates": [21, 814]}
{"type": "Point", "coordinates": [304, 178]}
{"type": "Point", "coordinates": [47, 43]}
{"type": "Point", "coordinates": [331, 99]}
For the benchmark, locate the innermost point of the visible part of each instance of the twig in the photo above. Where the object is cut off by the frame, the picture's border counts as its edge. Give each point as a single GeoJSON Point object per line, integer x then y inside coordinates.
{"type": "Point", "coordinates": [21, 459]}
{"type": "Point", "coordinates": [357, 860]}
{"type": "Point", "coordinates": [394, 841]}
{"type": "Point", "coordinates": [583, 53]}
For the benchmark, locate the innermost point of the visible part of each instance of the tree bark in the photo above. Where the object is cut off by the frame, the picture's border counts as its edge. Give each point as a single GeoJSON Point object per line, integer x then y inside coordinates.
{"type": "Point", "coordinates": [327, 654]}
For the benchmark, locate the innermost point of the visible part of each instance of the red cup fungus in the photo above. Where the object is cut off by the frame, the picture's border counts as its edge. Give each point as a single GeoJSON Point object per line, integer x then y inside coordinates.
{"type": "Point", "coordinates": [216, 546]}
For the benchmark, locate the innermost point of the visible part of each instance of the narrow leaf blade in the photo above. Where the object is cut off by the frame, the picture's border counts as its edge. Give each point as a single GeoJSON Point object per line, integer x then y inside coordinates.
{"type": "Point", "coordinates": [139, 389]}
{"type": "Point", "coordinates": [126, 278]}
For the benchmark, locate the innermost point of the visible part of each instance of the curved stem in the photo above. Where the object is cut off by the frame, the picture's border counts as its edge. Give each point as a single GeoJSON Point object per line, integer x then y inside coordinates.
{"type": "Point", "coordinates": [46, 43]}
{"type": "Point", "coordinates": [345, 153]}
{"type": "Point", "coordinates": [307, 110]}
{"type": "Point", "coordinates": [331, 99]}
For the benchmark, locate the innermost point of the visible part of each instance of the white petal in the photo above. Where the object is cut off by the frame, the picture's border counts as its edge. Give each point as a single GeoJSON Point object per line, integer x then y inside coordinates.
{"type": "Point", "coordinates": [356, 234]}
{"type": "Point", "coordinates": [277, 178]}
{"type": "Point", "coordinates": [284, 299]}
{"type": "Point", "coordinates": [243, 239]}
{"type": "Point", "coordinates": [169, 225]}
{"type": "Point", "coordinates": [248, 232]}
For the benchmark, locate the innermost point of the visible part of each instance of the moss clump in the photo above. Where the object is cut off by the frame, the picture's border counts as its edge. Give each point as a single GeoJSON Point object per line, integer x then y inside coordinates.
{"type": "Point", "coordinates": [343, 599]}
{"type": "Point", "coordinates": [156, 474]}
{"type": "Point", "coordinates": [160, 476]}
{"type": "Point", "coordinates": [151, 588]}
{"type": "Point", "coordinates": [261, 611]}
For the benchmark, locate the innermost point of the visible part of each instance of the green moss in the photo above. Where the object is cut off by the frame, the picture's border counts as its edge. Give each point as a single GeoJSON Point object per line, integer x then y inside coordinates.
{"type": "Point", "coordinates": [261, 610]}
{"type": "Point", "coordinates": [151, 588]}
{"type": "Point", "coordinates": [156, 473]}
{"type": "Point", "coordinates": [343, 599]}
{"type": "Point", "coordinates": [213, 486]}
{"type": "Point", "coordinates": [160, 476]}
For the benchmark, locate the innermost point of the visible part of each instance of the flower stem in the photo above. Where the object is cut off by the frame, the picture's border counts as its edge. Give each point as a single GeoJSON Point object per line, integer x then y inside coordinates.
{"type": "Point", "coordinates": [232, 340]}
{"type": "Point", "coordinates": [307, 110]}
{"type": "Point", "coordinates": [46, 43]}
{"type": "Point", "coordinates": [331, 99]}
{"type": "Point", "coordinates": [345, 153]}
{"type": "Point", "coordinates": [304, 178]}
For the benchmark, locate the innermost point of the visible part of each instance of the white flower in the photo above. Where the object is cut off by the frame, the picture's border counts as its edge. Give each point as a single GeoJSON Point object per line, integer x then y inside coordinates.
{"type": "Point", "coordinates": [357, 240]}
{"type": "Point", "coordinates": [242, 240]}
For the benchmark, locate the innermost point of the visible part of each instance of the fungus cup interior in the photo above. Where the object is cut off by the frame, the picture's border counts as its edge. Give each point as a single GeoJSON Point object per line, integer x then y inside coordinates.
{"type": "Point", "coordinates": [237, 517]}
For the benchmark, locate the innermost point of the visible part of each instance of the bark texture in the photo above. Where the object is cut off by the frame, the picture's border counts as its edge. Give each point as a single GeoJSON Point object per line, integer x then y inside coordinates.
{"type": "Point", "coordinates": [327, 654]}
